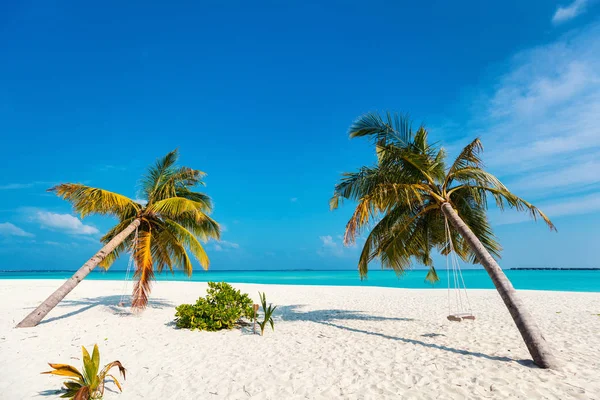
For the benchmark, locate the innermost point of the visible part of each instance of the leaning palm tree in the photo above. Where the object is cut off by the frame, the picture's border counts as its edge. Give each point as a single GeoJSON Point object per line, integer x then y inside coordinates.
{"type": "Point", "coordinates": [409, 196]}
{"type": "Point", "coordinates": [172, 219]}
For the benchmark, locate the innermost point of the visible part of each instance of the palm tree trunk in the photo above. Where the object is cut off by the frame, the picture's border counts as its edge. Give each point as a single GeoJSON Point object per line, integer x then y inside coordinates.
{"type": "Point", "coordinates": [536, 344]}
{"type": "Point", "coordinates": [43, 309]}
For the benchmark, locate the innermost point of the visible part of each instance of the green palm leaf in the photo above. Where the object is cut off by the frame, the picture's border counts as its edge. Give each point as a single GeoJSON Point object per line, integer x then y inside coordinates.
{"type": "Point", "coordinates": [400, 197]}
{"type": "Point", "coordinates": [88, 200]}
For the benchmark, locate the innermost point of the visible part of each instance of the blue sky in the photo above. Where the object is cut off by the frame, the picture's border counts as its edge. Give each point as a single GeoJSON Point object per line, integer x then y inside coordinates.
{"type": "Point", "coordinates": [260, 97]}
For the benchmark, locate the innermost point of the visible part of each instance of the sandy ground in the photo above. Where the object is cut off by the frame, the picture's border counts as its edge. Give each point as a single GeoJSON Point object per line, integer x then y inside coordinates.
{"type": "Point", "coordinates": [329, 343]}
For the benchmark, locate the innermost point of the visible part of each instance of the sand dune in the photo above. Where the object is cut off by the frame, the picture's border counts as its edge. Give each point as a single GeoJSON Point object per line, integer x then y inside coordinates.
{"type": "Point", "coordinates": [329, 343]}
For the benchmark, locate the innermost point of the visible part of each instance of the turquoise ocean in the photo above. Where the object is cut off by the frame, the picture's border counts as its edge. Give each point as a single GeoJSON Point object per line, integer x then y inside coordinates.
{"type": "Point", "coordinates": [561, 280]}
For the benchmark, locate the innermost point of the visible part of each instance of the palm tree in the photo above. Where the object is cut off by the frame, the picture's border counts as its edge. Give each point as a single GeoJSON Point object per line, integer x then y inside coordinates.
{"type": "Point", "coordinates": [172, 218]}
{"type": "Point", "coordinates": [408, 196]}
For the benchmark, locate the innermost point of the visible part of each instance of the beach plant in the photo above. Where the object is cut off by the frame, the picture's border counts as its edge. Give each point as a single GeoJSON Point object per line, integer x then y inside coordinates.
{"type": "Point", "coordinates": [268, 311]}
{"type": "Point", "coordinates": [89, 383]}
{"type": "Point", "coordinates": [168, 219]}
{"type": "Point", "coordinates": [409, 194]}
{"type": "Point", "coordinates": [222, 308]}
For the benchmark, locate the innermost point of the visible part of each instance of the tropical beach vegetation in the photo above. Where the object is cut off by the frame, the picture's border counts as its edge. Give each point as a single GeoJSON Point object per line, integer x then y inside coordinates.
{"type": "Point", "coordinates": [222, 308]}
{"type": "Point", "coordinates": [439, 273]}
{"type": "Point", "coordinates": [89, 382]}
{"type": "Point", "coordinates": [415, 202]}
{"type": "Point", "coordinates": [268, 310]}
{"type": "Point", "coordinates": [170, 219]}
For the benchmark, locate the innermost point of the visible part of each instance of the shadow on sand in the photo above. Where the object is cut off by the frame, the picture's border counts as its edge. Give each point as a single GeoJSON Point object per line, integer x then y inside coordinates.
{"type": "Point", "coordinates": [332, 318]}
{"type": "Point", "coordinates": [51, 392]}
{"type": "Point", "coordinates": [59, 392]}
{"type": "Point", "coordinates": [294, 313]}
{"type": "Point", "coordinates": [110, 302]}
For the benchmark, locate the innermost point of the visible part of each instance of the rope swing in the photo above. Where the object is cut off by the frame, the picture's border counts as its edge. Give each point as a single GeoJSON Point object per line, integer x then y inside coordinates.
{"type": "Point", "coordinates": [129, 267]}
{"type": "Point", "coordinates": [459, 307]}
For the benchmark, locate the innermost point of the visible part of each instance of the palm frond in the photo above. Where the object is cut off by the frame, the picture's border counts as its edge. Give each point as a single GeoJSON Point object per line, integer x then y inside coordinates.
{"type": "Point", "coordinates": [382, 198]}
{"type": "Point", "coordinates": [432, 276]}
{"type": "Point", "coordinates": [504, 198]}
{"type": "Point", "coordinates": [179, 180]}
{"type": "Point", "coordinates": [115, 230]}
{"type": "Point", "coordinates": [115, 254]}
{"type": "Point", "coordinates": [334, 202]}
{"type": "Point", "coordinates": [468, 157]}
{"type": "Point", "coordinates": [409, 166]}
{"type": "Point", "coordinates": [200, 198]}
{"type": "Point", "coordinates": [173, 207]}
{"type": "Point", "coordinates": [160, 250]}
{"type": "Point", "coordinates": [180, 255]}
{"type": "Point", "coordinates": [160, 172]}
{"type": "Point", "coordinates": [190, 241]}
{"type": "Point", "coordinates": [391, 128]}
{"type": "Point", "coordinates": [438, 169]}
{"type": "Point", "coordinates": [144, 272]}
{"type": "Point", "coordinates": [200, 224]}
{"type": "Point", "coordinates": [88, 200]}
{"type": "Point", "coordinates": [355, 185]}
{"type": "Point", "coordinates": [475, 216]}
{"type": "Point", "coordinates": [474, 176]}
{"type": "Point", "coordinates": [389, 240]}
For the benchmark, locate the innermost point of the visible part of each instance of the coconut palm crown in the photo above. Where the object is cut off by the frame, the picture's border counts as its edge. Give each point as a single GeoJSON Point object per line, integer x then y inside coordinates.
{"type": "Point", "coordinates": [401, 196]}
{"type": "Point", "coordinates": [173, 218]}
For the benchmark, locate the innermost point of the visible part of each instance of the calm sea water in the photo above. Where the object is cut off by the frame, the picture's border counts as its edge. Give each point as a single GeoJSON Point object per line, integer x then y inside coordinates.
{"type": "Point", "coordinates": [564, 280]}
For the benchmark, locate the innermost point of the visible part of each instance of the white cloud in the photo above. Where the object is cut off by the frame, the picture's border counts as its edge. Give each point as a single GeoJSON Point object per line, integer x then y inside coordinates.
{"type": "Point", "coordinates": [541, 123]}
{"type": "Point", "coordinates": [571, 11]}
{"type": "Point", "coordinates": [328, 241]}
{"type": "Point", "coordinates": [141, 201]}
{"type": "Point", "coordinates": [334, 247]}
{"type": "Point", "coordinates": [8, 229]}
{"type": "Point", "coordinates": [64, 222]}
{"type": "Point", "coordinates": [223, 227]}
{"type": "Point", "coordinates": [16, 186]}
{"type": "Point", "coordinates": [576, 175]}
{"type": "Point", "coordinates": [580, 205]}
{"type": "Point", "coordinates": [531, 90]}
{"type": "Point", "coordinates": [12, 186]}
{"type": "Point", "coordinates": [329, 247]}
{"type": "Point", "coordinates": [294, 199]}
{"type": "Point", "coordinates": [224, 245]}
{"type": "Point", "coordinates": [109, 167]}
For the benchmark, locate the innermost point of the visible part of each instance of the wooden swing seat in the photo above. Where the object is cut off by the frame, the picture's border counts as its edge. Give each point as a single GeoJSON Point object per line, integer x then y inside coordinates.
{"type": "Point", "coordinates": [460, 316]}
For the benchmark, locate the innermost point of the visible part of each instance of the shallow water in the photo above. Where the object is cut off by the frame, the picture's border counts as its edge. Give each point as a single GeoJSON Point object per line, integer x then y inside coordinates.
{"type": "Point", "coordinates": [560, 280]}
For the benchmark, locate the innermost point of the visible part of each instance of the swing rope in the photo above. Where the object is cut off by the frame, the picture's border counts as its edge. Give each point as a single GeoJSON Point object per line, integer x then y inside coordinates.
{"type": "Point", "coordinates": [461, 308]}
{"type": "Point", "coordinates": [129, 267]}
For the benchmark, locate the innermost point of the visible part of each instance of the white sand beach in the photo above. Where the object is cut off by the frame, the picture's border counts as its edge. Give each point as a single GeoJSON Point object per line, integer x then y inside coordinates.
{"type": "Point", "coordinates": [329, 343]}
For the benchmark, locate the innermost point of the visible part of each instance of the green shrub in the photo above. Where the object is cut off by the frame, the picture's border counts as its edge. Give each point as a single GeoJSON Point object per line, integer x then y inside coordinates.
{"type": "Point", "coordinates": [222, 308]}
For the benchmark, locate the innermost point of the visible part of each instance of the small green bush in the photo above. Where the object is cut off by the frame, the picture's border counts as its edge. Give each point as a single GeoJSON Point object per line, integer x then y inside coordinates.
{"type": "Point", "coordinates": [222, 308]}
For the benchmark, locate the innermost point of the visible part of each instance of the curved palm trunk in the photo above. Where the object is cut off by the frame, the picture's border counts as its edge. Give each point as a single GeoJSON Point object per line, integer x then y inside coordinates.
{"type": "Point", "coordinates": [536, 344]}
{"type": "Point", "coordinates": [39, 313]}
